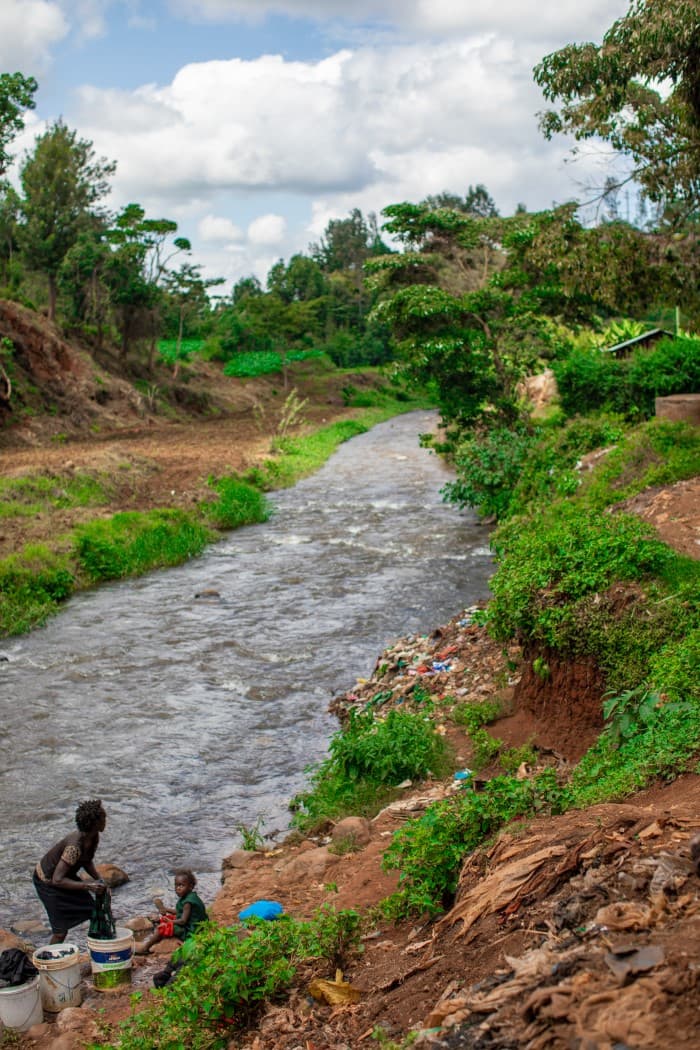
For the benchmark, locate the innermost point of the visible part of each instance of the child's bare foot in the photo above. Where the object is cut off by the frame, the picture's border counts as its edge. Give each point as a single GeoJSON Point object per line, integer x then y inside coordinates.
{"type": "Point", "coordinates": [142, 949]}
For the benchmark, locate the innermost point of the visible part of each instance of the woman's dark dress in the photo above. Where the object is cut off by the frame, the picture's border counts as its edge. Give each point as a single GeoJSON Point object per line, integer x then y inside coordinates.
{"type": "Point", "coordinates": [65, 908]}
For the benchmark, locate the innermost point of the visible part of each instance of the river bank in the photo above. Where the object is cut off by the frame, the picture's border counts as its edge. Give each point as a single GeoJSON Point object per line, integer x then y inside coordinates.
{"type": "Point", "coordinates": [583, 926]}
{"type": "Point", "coordinates": [204, 711]}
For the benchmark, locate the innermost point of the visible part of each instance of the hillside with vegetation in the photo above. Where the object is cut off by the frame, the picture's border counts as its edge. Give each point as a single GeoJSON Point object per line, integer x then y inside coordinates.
{"type": "Point", "coordinates": [500, 849]}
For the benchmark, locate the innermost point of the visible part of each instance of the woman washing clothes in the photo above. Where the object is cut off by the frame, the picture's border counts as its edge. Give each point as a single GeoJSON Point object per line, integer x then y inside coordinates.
{"type": "Point", "coordinates": [66, 897]}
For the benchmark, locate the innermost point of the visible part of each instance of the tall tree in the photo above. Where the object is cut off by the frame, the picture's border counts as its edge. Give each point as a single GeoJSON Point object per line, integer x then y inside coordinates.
{"type": "Point", "coordinates": [142, 249]}
{"type": "Point", "coordinates": [186, 295]}
{"type": "Point", "coordinates": [9, 220]}
{"type": "Point", "coordinates": [16, 95]}
{"type": "Point", "coordinates": [62, 183]}
{"type": "Point", "coordinates": [638, 90]}
{"type": "Point", "coordinates": [346, 243]}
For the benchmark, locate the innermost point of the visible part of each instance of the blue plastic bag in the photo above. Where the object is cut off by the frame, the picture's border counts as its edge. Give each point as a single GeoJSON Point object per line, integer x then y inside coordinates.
{"type": "Point", "coordinates": [261, 910]}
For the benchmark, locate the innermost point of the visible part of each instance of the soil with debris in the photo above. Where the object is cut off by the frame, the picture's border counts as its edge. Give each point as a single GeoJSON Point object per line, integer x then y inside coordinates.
{"type": "Point", "coordinates": [579, 931]}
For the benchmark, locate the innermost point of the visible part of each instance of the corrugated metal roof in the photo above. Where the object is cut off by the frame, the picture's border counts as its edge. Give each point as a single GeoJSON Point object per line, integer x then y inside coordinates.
{"type": "Point", "coordinates": [653, 333]}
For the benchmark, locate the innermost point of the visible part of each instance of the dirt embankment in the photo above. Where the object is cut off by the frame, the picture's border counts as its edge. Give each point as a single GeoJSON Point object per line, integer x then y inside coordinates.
{"type": "Point", "coordinates": [154, 443]}
{"type": "Point", "coordinates": [581, 930]}
{"type": "Point", "coordinates": [577, 931]}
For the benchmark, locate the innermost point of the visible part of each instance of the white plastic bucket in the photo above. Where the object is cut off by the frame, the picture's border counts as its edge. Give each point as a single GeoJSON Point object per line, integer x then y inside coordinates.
{"type": "Point", "coordinates": [59, 976]}
{"type": "Point", "coordinates": [20, 1006]}
{"type": "Point", "coordinates": [111, 960]}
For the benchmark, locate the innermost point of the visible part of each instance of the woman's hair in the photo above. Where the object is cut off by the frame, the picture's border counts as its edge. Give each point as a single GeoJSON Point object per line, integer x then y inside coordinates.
{"type": "Point", "coordinates": [88, 814]}
{"type": "Point", "coordinates": [186, 873]}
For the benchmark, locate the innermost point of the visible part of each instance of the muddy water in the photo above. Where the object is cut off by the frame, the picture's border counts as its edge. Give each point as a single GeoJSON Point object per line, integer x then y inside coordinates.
{"type": "Point", "coordinates": [192, 715]}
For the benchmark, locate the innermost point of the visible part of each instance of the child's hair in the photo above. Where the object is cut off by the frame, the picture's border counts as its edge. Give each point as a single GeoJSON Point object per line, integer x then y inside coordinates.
{"type": "Point", "coordinates": [186, 873]}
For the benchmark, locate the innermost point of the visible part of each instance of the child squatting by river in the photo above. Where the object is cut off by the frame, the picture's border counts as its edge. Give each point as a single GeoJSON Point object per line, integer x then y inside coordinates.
{"type": "Point", "coordinates": [189, 913]}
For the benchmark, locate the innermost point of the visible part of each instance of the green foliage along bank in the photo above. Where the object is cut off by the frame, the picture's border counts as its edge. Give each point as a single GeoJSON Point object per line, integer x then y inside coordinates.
{"type": "Point", "coordinates": [228, 976]}
{"type": "Point", "coordinates": [578, 578]}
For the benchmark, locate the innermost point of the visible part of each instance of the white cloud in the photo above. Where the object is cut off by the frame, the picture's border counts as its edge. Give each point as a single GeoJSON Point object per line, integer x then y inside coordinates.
{"type": "Point", "coordinates": [218, 228]}
{"type": "Point", "coordinates": [517, 17]}
{"type": "Point", "coordinates": [88, 17]}
{"type": "Point", "coordinates": [28, 31]}
{"type": "Point", "coordinates": [339, 125]}
{"type": "Point", "coordinates": [267, 229]}
{"type": "Point", "coordinates": [227, 141]}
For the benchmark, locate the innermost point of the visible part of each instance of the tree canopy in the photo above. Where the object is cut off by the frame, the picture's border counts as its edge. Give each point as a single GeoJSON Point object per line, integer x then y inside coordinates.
{"type": "Point", "coordinates": [638, 90]}
{"type": "Point", "coordinates": [16, 95]}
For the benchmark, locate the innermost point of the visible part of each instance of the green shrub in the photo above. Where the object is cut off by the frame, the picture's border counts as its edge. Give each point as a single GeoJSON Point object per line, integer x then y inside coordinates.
{"type": "Point", "coordinates": [238, 503]}
{"type": "Point", "coordinates": [488, 467]}
{"type": "Point", "coordinates": [571, 553]}
{"type": "Point", "coordinates": [590, 380]}
{"type": "Point", "coordinates": [429, 851]}
{"type": "Point", "coordinates": [368, 754]}
{"type": "Point", "coordinates": [131, 543]}
{"type": "Point", "coordinates": [672, 367]}
{"type": "Point", "coordinates": [227, 979]}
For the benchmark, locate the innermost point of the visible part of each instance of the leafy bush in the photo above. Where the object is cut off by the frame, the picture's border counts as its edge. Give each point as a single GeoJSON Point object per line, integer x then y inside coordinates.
{"type": "Point", "coordinates": [367, 754]}
{"type": "Point", "coordinates": [672, 367]}
{"type": "Point", "coordinates": [503, 472]}
{"type": "Point", "coordinates": [488, 467]}
{"type": "Point", "coordinates": [227, 979]}
{"type": "Point", "coordinates": [570, 554]}
{"type": "Point", "coordinates": [590, 380]}
{"type": "Point", "coordinates": [130, 543]}
{"type": "Point", "coordinates": [429, 851]}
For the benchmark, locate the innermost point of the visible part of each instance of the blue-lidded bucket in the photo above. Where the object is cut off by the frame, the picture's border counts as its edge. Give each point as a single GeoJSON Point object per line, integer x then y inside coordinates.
{"type": "Point", "coordinates": [111, 960]}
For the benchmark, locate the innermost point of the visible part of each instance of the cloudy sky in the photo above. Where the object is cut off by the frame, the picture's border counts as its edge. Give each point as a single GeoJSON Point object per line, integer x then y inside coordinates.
{"type": "Point", "coordinates": [253, 122]}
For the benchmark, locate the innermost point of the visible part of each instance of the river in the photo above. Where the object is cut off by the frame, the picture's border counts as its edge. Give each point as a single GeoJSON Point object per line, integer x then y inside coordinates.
{"type": "Point", "coordinates": [191, 716]}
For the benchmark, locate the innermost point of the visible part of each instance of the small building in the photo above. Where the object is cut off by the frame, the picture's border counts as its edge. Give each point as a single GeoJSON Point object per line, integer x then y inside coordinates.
{"type": "Point", "coordinates": [648, 339]}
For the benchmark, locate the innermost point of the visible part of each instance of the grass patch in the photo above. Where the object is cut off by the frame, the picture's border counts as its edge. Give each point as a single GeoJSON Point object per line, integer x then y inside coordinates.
{"type": "Point", "coordinates": [34, 494]}
{"type": "Point", "coordinates": [33, 583]}
{"type": "Point", "coordinates": [369, 757]}
{"type": "Point", "coordinates": [132, 543]}
{"type": "Point", "coordinates": [238, 503]}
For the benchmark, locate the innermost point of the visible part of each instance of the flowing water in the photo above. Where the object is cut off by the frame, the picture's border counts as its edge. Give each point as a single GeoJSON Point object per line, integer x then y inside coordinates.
{"type": "Point", "coordinates": [190, 716]}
